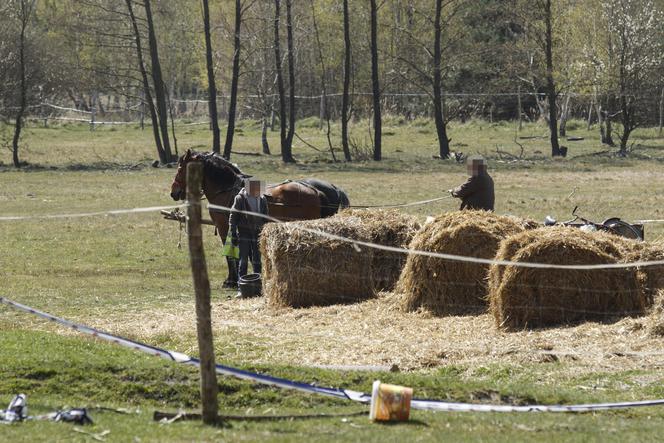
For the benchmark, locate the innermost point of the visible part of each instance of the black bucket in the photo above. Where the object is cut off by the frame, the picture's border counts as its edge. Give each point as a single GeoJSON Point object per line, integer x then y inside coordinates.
{"type": "Point", "coordinates": [250, 285]}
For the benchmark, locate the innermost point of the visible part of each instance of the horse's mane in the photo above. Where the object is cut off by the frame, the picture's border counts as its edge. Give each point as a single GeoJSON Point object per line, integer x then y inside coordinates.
{"type": "Point", "coordinates": [218, 168]}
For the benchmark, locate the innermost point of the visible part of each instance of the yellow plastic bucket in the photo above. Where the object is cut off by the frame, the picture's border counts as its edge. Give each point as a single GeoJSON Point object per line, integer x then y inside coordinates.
{"type": "Point", "coordinates": [390, 402]}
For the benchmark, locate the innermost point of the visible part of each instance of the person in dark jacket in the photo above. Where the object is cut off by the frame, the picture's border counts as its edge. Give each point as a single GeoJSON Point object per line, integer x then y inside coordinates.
{"type": "Point", "coordinates": [245, 228]}
{"type": "Point", "coordinates": [477, 191]}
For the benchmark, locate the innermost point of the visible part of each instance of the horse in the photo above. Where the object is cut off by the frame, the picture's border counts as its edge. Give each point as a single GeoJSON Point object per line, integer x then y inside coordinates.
{"type": "Point", "coordinates": [304, 199]}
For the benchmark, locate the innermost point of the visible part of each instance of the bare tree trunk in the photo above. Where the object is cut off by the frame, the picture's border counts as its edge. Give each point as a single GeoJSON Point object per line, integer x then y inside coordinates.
{"type": "Point", "coordinates": [25, 13]}
{"type": "Point", "coordinates": [291, 76]}
{"type": "Point", "coordinates": [661, 113]}
{"type": "Point", "coordinates": [157, 79]}
{"type": "Point", "coordinates": [564, 115]}
{"type": "Point", "coordinates": [142, 111]}
{"type": "Point", "coordinates": [230, 131]}
{"type": "Point", "coordinates": [604, 123]}
{"type": "Point", "coordinates": [441, 124]}
{"type": "Point", "coordinates": [212, 85]}
{"type": "Point", "coordinates": [550, 85]}
{"type": "Point", "coordinates": [169, 94]}
{"type": "Point", "coordinates": [608, 123]}
{"type": "Point", "coordinates": [377, 154]}
{"type": "Point", "coordinates": [627, 114]}
{"type": "Point", "coordinates": [345, 98]}
{"type": "Point", "coordinates": [266, 145]}
{"type": "Point", "coordinates": [519, 107]}
{"type": "Point", "coordinates": [146, 85]}
{"type": "Point", "coordinates": [324, 112]}
{"type": "Point", "coordinates": [286, 154]}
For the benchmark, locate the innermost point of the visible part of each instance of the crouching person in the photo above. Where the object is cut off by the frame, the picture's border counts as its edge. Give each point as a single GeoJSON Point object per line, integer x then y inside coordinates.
{"type": "Point", "coordinates": [245, 228]}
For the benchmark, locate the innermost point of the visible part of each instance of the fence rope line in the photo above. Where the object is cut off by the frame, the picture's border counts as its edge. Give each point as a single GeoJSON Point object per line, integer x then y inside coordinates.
{"type": "Point", "coordinates": [357, 243]}
{"type": "Point", "coordinates": [331, 94]}
{"type": "Point", "coordinates": [62, 108]}
{"type": "Point", "coordinates": [452, 257]}
{"type": "Point", "coordinates": [340, 393]}
{"type": "Point", "coordinates": [90, 214]}
{"type": "Point", "coordinates": [404, 205]}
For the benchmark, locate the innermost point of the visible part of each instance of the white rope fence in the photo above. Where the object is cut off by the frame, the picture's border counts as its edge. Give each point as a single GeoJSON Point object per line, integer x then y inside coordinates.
{"type": "Point", "coordinates": [357, 243]}
{"type": "Point", "coordinates": [451, 257]}
{"type": "Point", "coordinates": [91, 214]}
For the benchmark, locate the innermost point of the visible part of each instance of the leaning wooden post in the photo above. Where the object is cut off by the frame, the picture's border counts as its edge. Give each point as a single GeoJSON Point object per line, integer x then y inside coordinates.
{"type": "Point", "coordinates": [202, 287]}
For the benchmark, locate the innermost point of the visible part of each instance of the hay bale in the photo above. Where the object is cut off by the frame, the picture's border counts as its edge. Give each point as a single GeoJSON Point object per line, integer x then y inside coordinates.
{"type": "Point", "coordinates": [302, 268]}
{"type": "Point", "coordinates": [530, 297]}
{"type": "Point", "coordinates": [617, 247]}
{"type": "Point", "coordinates": [651, 278]}
{"type": "Point", "coordinates": [446, 287]}
{"type": "Point", "coordinates": [655, 320]}
{"type": "Point", "coordinates": [387, 228]}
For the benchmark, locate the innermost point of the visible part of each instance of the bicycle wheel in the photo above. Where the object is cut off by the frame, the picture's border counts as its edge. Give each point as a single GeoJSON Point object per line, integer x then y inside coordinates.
{"type": "Point", "coordinates": [622, 229]}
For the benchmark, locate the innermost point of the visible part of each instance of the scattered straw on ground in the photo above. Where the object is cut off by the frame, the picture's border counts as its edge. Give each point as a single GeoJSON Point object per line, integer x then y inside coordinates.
{"type": "Point", "coordinates": [377, 333]}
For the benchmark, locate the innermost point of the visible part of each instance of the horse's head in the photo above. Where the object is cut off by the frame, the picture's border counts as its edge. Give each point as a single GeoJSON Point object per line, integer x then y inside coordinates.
{"type": "Point", "coordinates": [221, 176]}
{"type": "Point", "coordinates": [179, 186]}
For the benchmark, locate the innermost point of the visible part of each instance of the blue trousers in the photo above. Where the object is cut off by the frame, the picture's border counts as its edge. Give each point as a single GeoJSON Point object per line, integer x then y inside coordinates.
{"type": "Point", "coordinates": [249, 251]}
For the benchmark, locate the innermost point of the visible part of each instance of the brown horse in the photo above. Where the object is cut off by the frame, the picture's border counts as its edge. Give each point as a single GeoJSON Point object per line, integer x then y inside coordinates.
{"type": "Point", "coordinates": [291, 200]}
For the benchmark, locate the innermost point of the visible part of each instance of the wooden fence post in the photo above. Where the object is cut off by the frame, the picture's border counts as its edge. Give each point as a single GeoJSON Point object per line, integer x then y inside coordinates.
{"type": "Point", "coordinates": [202, 288]}
{"type": "Point", "coordinates": [142, 108]}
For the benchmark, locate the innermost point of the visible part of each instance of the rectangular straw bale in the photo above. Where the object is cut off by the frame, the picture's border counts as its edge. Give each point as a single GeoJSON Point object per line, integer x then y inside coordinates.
{"type": "Point", "coordinates": [303, 268]}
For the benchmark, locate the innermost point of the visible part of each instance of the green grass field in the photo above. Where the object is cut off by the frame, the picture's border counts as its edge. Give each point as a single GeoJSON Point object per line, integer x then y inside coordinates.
{"type": "Point", "coordinates": [113, 271]}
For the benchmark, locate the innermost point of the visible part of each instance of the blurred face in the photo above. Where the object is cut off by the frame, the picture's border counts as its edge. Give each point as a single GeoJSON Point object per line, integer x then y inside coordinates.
{"type": "Point", "coordinates": [476, 167]}
{"type": "Point", "coordinates": [254, 188]}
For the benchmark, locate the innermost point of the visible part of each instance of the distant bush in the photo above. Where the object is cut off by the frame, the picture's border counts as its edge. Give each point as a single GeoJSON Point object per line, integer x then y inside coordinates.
{"type": "Point", "coordinates": [575, 125]}
{"type": "Point", "coordinates": [421, 122]}
{"type": "Point", "coordinates": [393, 120]}
{"type": "Point", "coordinates": [309, 122]}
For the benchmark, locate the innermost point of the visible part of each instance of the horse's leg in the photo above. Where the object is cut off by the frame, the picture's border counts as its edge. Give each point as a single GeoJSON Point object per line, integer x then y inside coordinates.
{"type": "Point", "coordinates": [231, 280]}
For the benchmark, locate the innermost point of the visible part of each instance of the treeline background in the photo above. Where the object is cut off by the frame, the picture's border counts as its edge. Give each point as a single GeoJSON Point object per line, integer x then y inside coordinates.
{"type": "Point", "coordinates": [81, 55]}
